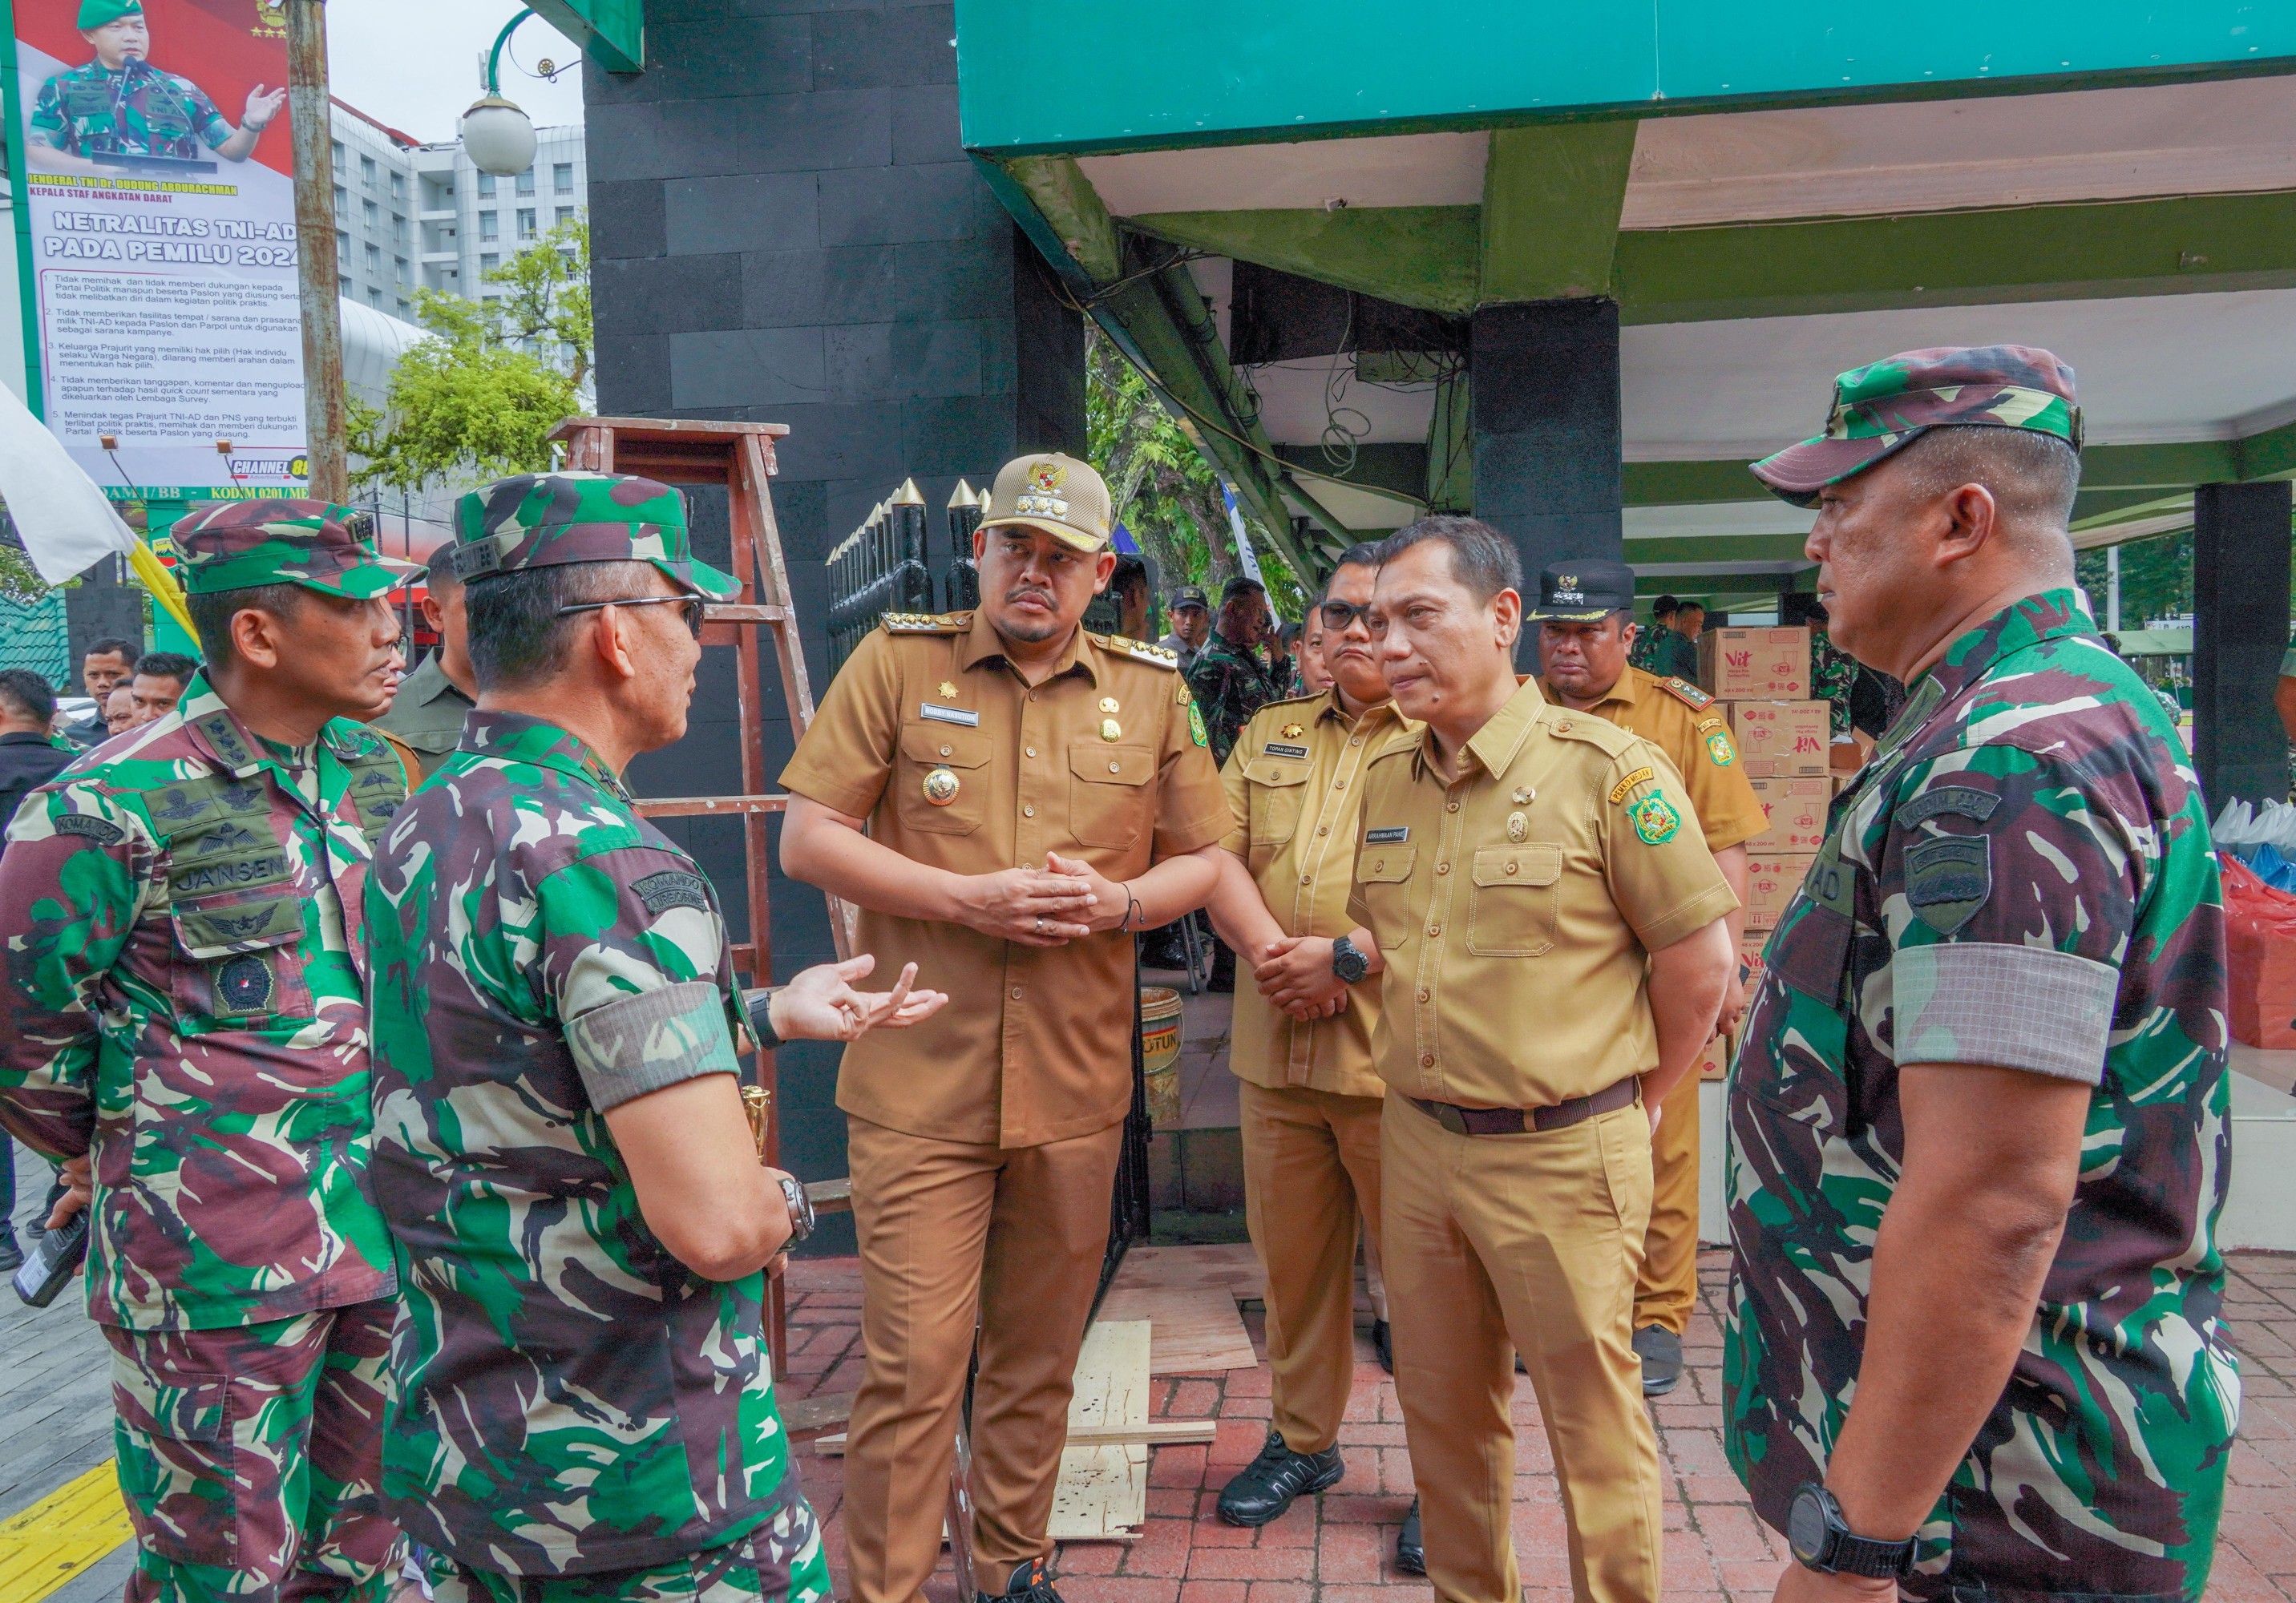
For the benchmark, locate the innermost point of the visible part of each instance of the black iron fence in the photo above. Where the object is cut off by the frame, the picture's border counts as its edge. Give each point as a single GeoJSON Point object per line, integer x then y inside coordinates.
{"type": "Point", "coordinates": [885, 566]}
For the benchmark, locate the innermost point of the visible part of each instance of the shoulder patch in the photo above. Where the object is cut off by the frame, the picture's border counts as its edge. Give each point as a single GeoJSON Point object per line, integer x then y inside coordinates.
{"type": "Point", "coordinates": [1618, 791]}
{"type": "Point", "coordinates": [1655, 819]}
{"type": "Point", "coordinates": [100, 830]}
{"type": "Point", "coordinates": [672, 887]}
{"type": "Point", "coordinates": [1967, 800]}
{"type": "Point", "coordinates": [926, 623]}
{"type": "Point", "coordinates": [1684, 691]}
{"type": "Point", "coordinates": [1947, 878]}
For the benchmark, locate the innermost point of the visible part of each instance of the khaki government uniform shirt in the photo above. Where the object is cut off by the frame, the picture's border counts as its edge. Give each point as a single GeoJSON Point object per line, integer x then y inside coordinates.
{"type": "Point", "coordinates": [1515, 907]}
{"type": "Point", "coordinates": [1295, 788]}
{"type": "Point", "coordinates": [1105, 762]}
{"type": "Point", "coordinates": [1686, 724]}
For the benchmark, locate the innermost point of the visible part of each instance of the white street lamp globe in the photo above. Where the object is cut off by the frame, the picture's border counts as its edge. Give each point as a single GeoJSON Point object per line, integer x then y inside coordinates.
{"type": "Point", "coordinates": [499, 137]}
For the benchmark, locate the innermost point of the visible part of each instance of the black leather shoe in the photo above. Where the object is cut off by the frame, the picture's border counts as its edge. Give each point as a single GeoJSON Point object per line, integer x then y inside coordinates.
{"type": "Point", "coordinates": [1028, 1584]}
{"type": "Point", "coordinates": [1660, 1351]}
{"type": "Point", "coordinates": [1383, 1343]}
{"type": "Point", "coordinates": [1265, 1487]}
{"type": "Point", "coordinates": [11, 1256]}
{"type": "Point", "coordinates": [1410, 1547]}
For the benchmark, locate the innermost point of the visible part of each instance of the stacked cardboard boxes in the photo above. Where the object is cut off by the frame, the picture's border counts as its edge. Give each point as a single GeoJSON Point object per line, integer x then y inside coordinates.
{"type": "Point", "coordinates": [1784, 739]}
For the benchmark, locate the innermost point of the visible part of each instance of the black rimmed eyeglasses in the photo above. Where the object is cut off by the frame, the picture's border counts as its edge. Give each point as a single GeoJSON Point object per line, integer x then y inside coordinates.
{"type": "Point", "coordinates": [690, 608]}
{"type": "Point", "coordinates": [1337, 615]}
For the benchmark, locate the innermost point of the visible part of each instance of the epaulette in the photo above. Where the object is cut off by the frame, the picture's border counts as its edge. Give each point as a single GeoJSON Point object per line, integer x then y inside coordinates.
{"type": "Point", "coordinates": [1400, 739]}
{"type": "Point", "coordinates": [1683, 690]}
{"type": "Point", "coordinates": [1574, 725]}
{"type": "Point", "coordinates": [1139, 650]}
{"type": "Point", "coordinates": [926, 623]}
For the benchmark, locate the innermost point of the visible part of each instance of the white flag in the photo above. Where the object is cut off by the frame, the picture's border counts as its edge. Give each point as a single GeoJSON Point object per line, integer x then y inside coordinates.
{"type": "Point", "coordinates": [66, 524]}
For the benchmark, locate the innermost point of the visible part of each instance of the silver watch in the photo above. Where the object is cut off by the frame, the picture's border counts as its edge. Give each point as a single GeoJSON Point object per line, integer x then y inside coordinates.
{"type": "Point", "coordinates": [800, 1210]}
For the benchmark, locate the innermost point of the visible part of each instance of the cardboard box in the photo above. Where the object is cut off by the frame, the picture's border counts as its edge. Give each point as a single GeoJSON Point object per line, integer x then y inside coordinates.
{"type": "Point", "coordinates": [1767, 665]}
{"type": "Point", "coordinates": [1782, 739]}
{"type": "Point", "coordinates": [1796, 805]}
{"type": "Point", "coordinates": [1771, 881]}
{"type": "Point", "coordinates": [1749, 957]}
{"type": "Point", "coordinates": [1714, 1062]}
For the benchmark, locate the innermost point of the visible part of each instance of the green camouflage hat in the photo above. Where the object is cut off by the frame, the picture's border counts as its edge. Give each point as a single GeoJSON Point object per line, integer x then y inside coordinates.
{"type": "Point", "coordinates": [95, 13]}
{"type": "Point", "coordinates": [1884, 406]}
{"type": "Point", "coordinates": [239, 545]}
{"type": "Point", "coordinates": [538, 520]}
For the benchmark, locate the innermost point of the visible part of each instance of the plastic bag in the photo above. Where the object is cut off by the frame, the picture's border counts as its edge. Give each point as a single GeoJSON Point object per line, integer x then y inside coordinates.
{"type": "Point", "coordinates": [2261, 941]}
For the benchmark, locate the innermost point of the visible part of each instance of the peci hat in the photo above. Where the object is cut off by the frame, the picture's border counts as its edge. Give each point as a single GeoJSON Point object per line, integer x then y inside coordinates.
{"type": "Point", "coordinates": [1583, 592]}
{"type": "Point", "coordinates": [1059, 495]}
{"type": "Point", "coordinates": [1886, 405]}
{"type": "Point", "coordinates": [545, 519]}
{"type": "Point", "coordinates": [240, 544]}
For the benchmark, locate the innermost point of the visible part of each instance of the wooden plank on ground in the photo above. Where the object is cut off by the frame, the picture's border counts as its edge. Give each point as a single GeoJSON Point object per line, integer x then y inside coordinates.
{"type": "Point", "coordinates": [1232, 1267]}
{"type": "Point", "coordinates": [1103, 1491]}
{"type": "Point", "coordinates": [1196, 1329]}
{"type": "Point", "coordinates": [817, 1412]}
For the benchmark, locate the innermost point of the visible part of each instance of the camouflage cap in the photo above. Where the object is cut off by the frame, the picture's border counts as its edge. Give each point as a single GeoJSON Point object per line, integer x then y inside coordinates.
{"type": "Point", "coordinates": [543, 519]}
{"type": "Point", "coordinates": [239, 545]}
{"type": "Point", "coordinates": [1064, 498]}
{"type": "Point", "coordinates": [1884, 406]}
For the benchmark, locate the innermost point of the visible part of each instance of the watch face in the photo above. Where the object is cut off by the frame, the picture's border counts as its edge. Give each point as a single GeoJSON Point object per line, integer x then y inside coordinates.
{"type": "Point", "coordinates": [1805, 1526]}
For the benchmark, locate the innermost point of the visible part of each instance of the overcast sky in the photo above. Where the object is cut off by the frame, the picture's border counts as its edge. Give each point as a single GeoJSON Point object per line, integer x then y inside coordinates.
{"type": "Point", "coordinates": [416, 64]}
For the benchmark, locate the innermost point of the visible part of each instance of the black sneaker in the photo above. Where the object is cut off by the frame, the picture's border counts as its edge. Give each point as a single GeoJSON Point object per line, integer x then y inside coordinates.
{"type": "Point", "coordinates": [1410, 1547]}
{"type": "Point", "coordinates": [1660, 1351]}
{"type": "Point", "coordinates": [1028, 1584]}
{"type": "Point", "coordinates": [1382, 1344]}
{"type": "Point", "coordinates": [11, 1256]}
{"type": "Point", "coordinates": [1264, 1488]}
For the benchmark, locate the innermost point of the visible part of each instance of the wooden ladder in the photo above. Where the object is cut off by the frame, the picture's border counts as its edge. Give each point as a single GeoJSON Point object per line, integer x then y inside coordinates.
{"type": "Point", "coordinates": [741, 457]}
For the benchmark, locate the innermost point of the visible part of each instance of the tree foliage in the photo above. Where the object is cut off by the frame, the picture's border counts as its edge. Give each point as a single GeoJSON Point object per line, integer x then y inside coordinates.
{"type": "Point", "coordinates": [1161, 486]}
{"type": "Point", "coordinates": [479, 398]}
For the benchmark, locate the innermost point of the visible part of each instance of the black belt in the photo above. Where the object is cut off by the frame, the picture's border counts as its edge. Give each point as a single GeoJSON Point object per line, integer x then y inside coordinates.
{"type": "Point", "coordinates": [1514, 1121]}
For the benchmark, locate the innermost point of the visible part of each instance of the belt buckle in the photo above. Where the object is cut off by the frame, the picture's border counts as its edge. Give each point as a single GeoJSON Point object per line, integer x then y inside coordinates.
{"type": "Point", "coordinates": [1452, 1118]}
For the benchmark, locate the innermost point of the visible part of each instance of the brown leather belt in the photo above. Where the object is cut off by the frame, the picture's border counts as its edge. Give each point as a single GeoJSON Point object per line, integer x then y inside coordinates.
{"type": "Point", "coordinates": [1514, 1121]}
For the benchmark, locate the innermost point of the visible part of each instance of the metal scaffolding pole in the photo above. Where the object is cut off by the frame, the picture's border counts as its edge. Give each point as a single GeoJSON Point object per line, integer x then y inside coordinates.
{"type": "Point", "coordinates": [311, 119]}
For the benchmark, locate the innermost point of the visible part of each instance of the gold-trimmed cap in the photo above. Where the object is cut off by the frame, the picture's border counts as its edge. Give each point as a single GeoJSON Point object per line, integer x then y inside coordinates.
{"type": "Point", "coordinates": [1064, 498]}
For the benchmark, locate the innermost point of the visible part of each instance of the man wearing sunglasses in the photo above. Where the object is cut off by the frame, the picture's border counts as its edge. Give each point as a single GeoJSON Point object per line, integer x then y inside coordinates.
{"type": "Point", "coordinates": [1302, 1040]}
{"type": "Point", "coordinates": [580, 1221]}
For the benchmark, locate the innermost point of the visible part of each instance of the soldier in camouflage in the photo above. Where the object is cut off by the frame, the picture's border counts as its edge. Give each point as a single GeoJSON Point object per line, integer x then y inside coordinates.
{"type": "Point", "coordinates": [183, 1011]}
{"type": "Point", "coordinates": [582, 1407]}
{"type": "Point", "coordinates": [1978, 1138]}
{"type": "Point", "coordinates": [1833, 675]}
{"type": "Point", "coordinates": [1227, 678]}
{"type": "Point", "coordinates": [119, 105]}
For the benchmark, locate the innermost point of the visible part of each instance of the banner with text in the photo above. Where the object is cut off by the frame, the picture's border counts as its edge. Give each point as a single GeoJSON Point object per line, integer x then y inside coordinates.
{"type": "Point", "coordinates": [159, 182]}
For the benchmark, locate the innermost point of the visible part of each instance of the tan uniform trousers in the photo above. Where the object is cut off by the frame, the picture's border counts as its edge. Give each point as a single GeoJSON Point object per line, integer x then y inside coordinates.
{"type": "Point", "coordinates": [1497, 1244]}
{"type": "Point", "coordinates": [950, 1230]}
{"type": "Point", "coordinates": [1310, 1161]}
{"type": "Point", "coordinates": [1667, 1289]}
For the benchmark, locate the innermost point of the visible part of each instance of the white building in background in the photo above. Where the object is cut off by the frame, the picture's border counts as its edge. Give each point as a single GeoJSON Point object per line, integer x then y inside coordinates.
{"type": "Point", "coordinates": [410, 214]}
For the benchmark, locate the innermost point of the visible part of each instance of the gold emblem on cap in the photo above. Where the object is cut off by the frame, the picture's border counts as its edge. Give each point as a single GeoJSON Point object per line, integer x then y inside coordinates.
{"type": "Point", "coordinates": [941, 786]}
{"type": "Point", "coordinates": [1111, 729]}
{"type": "Point", "coordinates": [1518, 828]}
{"type": "Point", "coordinates": [1522, 794]}
{"type": "Point", "coordinates": [1108, 704]}
{"type": "Point", "coordinates": [948, 690]}
{"type": "Point", "coordinates": [1292, 732]}
{"type": "Point", "coordinates": [1048, 476]}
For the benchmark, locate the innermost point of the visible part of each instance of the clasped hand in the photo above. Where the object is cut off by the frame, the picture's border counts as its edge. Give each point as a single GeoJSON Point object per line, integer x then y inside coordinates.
{"type": "Point", "coordinates": [1049, 906]}
{"type": "Point", "coordinates": [1295, 975]}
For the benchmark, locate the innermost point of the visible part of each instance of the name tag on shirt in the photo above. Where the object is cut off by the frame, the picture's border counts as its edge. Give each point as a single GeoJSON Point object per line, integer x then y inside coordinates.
{"type": "Point", "coordinates": [1395, 835]}
{"type": "Point", "coordinates": [1274, 750]}
{"type": "Point", "coordinates": [949, 715]}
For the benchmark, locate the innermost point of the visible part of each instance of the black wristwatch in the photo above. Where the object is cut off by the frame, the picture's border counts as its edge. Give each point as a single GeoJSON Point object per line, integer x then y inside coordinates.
{"type": "Point", "coordinates": [1349, 961]}
{"type": "Point", "coordinates": [1820, 1539]}
{"type": "Point", "coordinates": [762, 1018]}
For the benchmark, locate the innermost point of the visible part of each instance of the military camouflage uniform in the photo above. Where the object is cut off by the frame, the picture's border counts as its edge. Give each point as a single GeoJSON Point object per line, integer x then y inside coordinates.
{"type": "Point", "coordinates": [2022, 878]}
{"type": "Point", "coordinates": [1229, 684]}
{"type": "Point", "coordinates": [576, 1415]}
{"type": "Point", "coordinates": [1643, 653]}
{"type": "Point", "coordinates": [184, 998]}
{"type": "Point", "coordinates": [1832, 677]}
{"type": "Point", "coordinates": [138, 110]}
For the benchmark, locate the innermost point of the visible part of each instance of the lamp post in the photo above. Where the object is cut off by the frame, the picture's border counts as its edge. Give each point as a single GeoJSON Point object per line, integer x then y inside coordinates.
{"type": "Point", "coordinates": [496, 133]}
{"type": "Point", "coordinates": [310, 122]}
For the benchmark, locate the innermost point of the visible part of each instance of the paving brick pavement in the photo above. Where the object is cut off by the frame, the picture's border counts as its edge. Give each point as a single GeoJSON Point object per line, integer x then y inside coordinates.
{"type": "Point", "coordinates": [1335, 1548]}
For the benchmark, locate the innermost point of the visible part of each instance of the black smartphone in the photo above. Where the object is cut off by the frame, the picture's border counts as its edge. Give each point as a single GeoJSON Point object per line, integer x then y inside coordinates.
{"type": "Point", "coordinates": [54, 1261]}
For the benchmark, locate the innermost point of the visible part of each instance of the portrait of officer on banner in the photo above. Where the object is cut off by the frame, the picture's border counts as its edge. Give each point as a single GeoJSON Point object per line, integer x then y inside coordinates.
{"type": "Point", "coordinates": [119, 112]}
